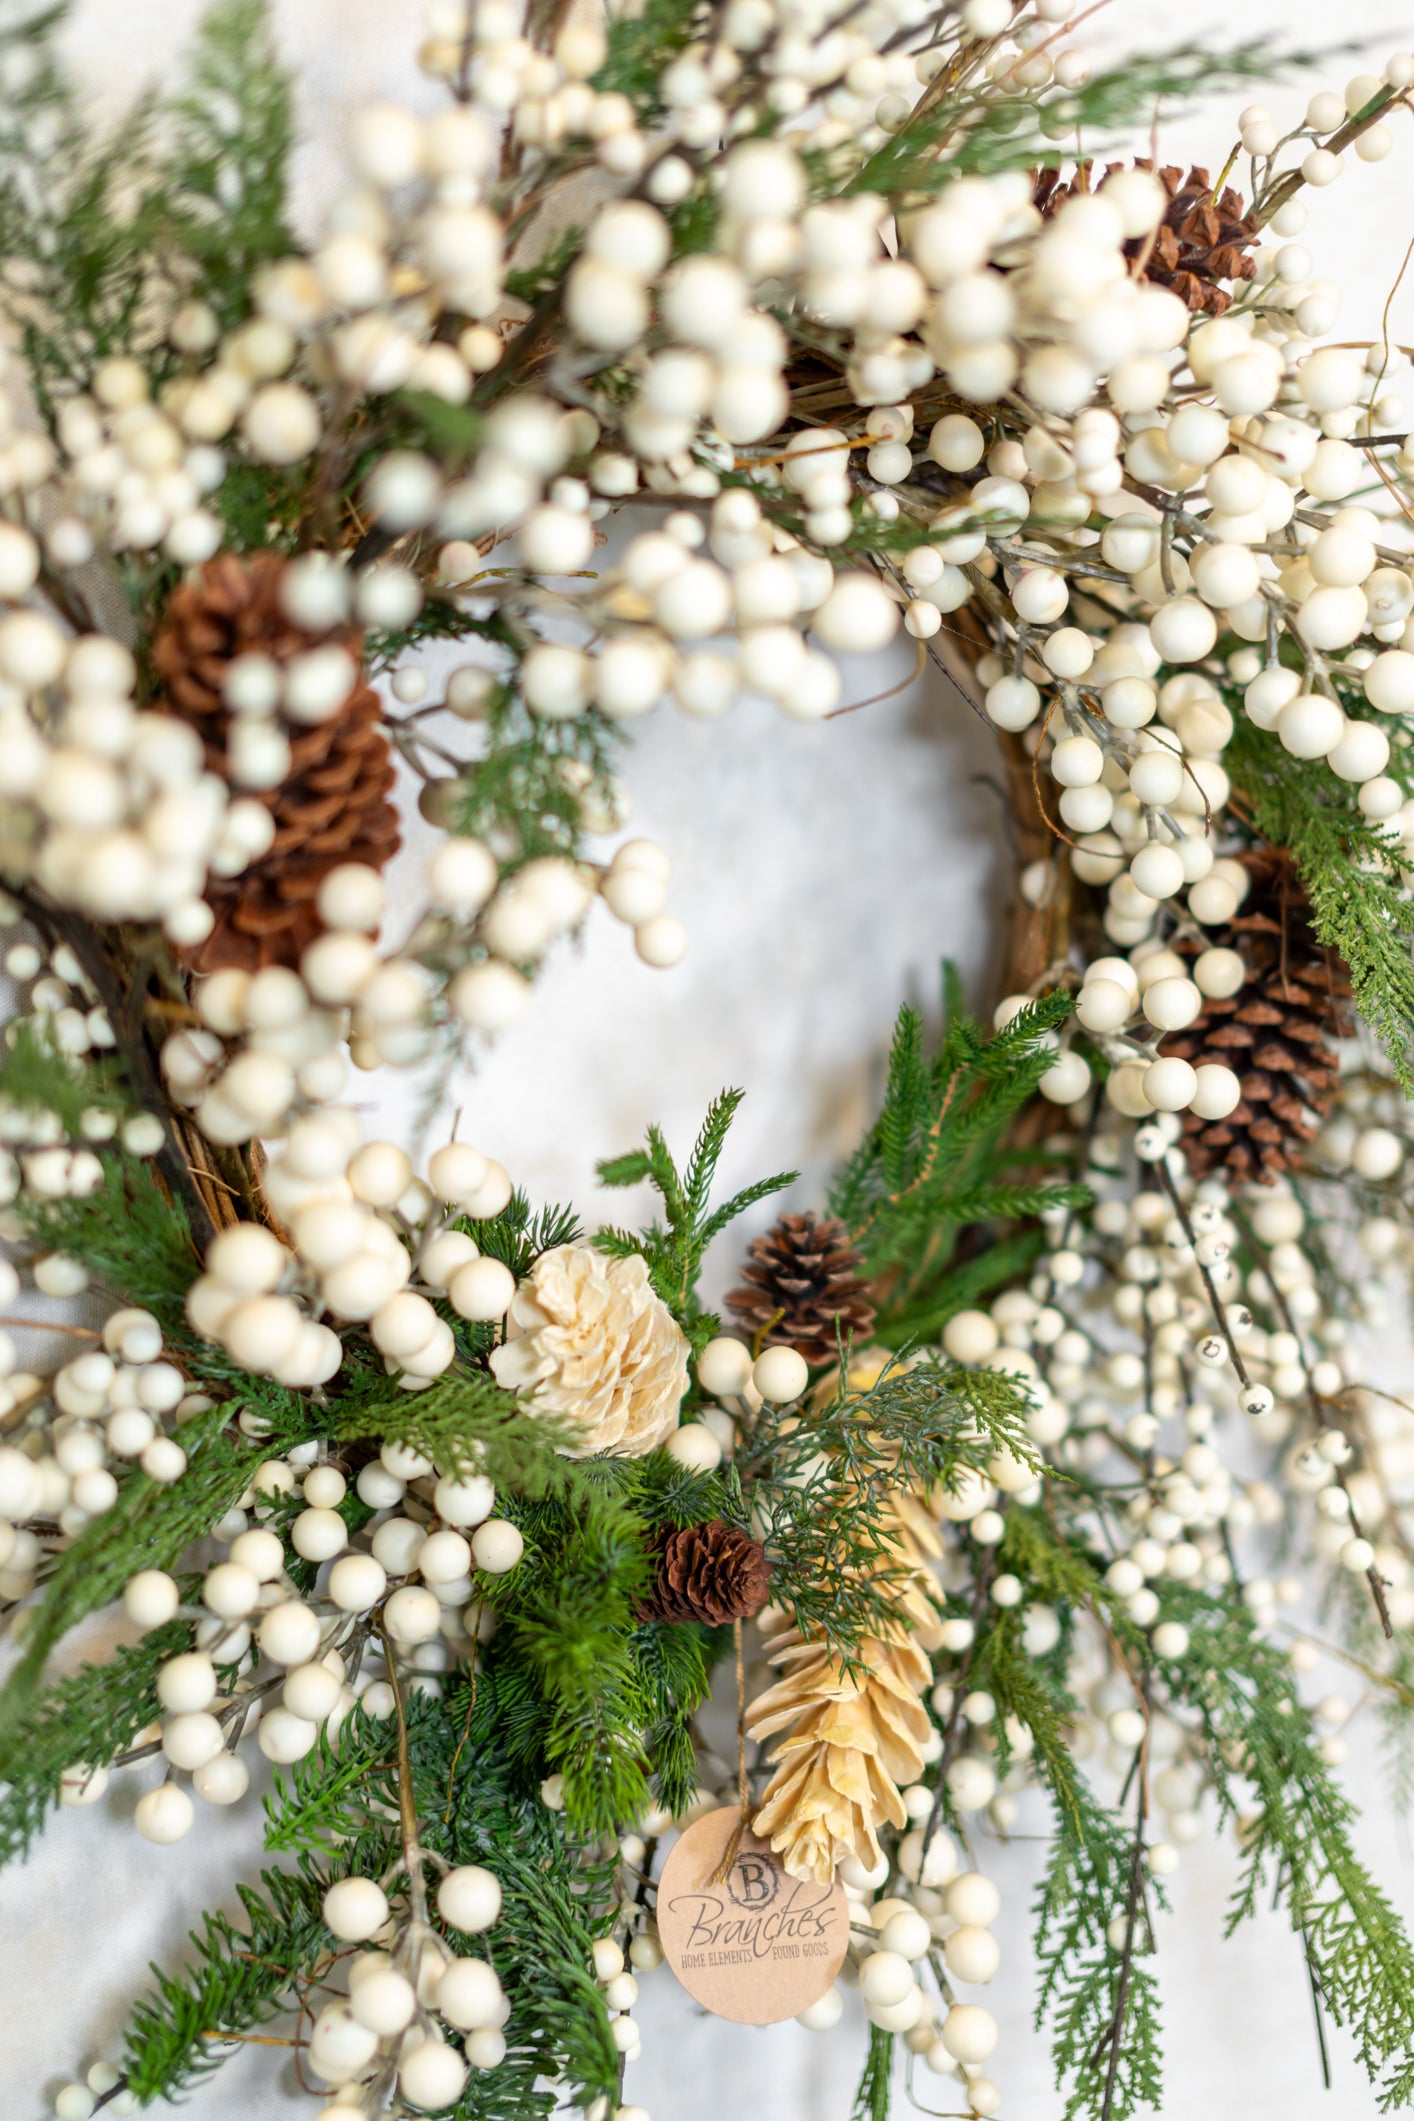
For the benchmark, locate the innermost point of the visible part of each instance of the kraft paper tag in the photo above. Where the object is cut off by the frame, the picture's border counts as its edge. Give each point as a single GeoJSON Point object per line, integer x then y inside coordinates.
{"type": "Point", "coordinates": [758, 1946]}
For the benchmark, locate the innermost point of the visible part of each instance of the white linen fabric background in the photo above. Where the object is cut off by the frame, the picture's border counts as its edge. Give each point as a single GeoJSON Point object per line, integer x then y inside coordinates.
{"type": "Point", "coordinates": [822, 872]}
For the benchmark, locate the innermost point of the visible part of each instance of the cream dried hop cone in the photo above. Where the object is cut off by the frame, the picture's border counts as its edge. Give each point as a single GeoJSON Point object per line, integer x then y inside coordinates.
{"type": "Point", "coordinates": [855, 1733]}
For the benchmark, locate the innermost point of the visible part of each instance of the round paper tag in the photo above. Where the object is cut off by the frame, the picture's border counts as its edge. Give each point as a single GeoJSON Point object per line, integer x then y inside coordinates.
{"type": "Point", "coordinates": [758, 1946]}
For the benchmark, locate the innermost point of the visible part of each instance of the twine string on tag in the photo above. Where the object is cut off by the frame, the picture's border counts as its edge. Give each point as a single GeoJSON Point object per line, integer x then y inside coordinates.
{"type": "Point", "coordinates": [743, 1788]}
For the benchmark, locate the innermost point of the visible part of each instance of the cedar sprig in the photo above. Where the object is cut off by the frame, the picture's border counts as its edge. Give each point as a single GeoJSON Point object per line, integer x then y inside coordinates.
{"type": "Point", "coordinates": [967, 134]}
{"type": "Point", "coordinates": [150, 1526]}
{"type": "Point", "coordinates": [1296, 1833]}
{"type": "Point", "coordinates": [1359, 907]}
{"type": "Point", "coordinates": [819, 1485]}
{"type": "Point", "coordinates": [871, 2098]}
{"type": "Point", "coordinates": [87, 1718]}
{"type": "Point", "coordinates": [1086, 1883]}
{"type": "Point", "coordinates": [240, 1977]}
{"type": "Point", "coordinates": [475, 1793]}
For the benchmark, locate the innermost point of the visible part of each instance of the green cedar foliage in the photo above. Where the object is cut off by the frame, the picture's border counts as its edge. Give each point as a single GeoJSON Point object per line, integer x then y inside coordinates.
{"type": "Point", "coordinates": [1296, 1833]}
{"type": "Point", "coordinates": [1086, 1989]}
{"type": "Point", "coordinates": [1358, 906]}
{"type": "Point", "coordinates": [240, 1978]}
{"type": "Point", "coordinates": [642, 42]}
{"type": "Point", "coordinates": [535, 776]}
{"type": "Point", "coordinates": [1265, 1760]}
{"type": "Point", "coordinates": [36, 1076]}
{"type": "Point", "coordinates": [602, 1699]}
{"type": "Point", "coordinates": [87, 1718]}
{"type": "Point", "coordinates": [675, 1247]}
{"type": "Point", "coordinates": [476, 1802]}
{"type": "Point", "coordinates": [871, 2100]}
{"type": "Point", "coordinates": [226, 165]}
{"type": "Point", "coordinates": [1094, 1999]}
{"type": "Point", "coordinates": [954, 135]}
{"type": "Point", "coordinates": [150, 1526]}
{"type": "Point", "coordinates": [189, 193]}
{"type": "Point", "coordinates": [926, 1170]}
{"type": "Point", "coordinates": [470, 1424]}
{"type": "Point", "coordinates": [819, 1487]}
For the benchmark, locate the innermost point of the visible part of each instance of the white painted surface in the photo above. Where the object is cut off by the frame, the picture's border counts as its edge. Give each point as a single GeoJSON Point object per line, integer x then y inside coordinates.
{"type": "Point", "coordinates": [822, 873]}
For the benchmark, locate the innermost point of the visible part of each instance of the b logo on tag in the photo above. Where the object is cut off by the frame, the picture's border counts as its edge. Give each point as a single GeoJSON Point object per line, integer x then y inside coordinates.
{"type": "Point", "coordinates": [751, 1881]}
{"type": "Point", "coordinates": [756, 1946]}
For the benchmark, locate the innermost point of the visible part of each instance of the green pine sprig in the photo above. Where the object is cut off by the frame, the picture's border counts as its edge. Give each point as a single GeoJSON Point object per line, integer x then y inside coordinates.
{"type": "Point", "coordinates": [926, 1172]}
{"type": "Point", "coordinates": [676, 1247]}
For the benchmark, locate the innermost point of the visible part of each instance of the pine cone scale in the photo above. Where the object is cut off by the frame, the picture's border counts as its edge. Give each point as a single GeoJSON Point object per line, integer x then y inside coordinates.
{"type": "Point", "coordinates": [1201, 243]}
{"type": "Point", "coordinates": [801, 1288]}
{"type": "Point", "coordinates": [712, 1573]}
{"type": "Point", "coordinates": [333, 805]}
{"type": "Point", "coordinates": [1276, 1031]}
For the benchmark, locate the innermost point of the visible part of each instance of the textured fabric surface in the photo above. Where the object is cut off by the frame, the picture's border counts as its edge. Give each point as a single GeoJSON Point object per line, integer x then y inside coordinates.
{"type": "Point", "coordinates": [822, 872]}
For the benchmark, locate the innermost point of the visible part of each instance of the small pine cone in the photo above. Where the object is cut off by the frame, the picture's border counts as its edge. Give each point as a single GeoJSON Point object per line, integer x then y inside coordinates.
{"type": "Point", "coordinates": [1202, 244]}
{"type": "Point", "coordinates": [711, 1572]}
{"type": "Point", "coordinates": [334, 804]}
{"type": "Point", "coordinates": [1274, 1033]}
{"type": "Point", "coordinates": [801, 1285]}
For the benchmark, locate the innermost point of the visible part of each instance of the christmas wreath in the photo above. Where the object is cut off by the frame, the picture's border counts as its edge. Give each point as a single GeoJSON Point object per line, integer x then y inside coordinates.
{"type": "Point", "coordinates": [1014, 1467]}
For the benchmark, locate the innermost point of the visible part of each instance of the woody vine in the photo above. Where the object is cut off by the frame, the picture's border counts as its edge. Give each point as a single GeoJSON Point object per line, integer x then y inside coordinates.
{"type": "Point", "coordinates": [1018, 1460]}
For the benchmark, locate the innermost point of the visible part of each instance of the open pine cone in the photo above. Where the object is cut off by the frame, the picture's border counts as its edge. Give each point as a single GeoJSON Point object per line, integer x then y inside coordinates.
{"type": "Point", "coordinates": [333, 806]}
{"type": "Point", "coordinates": [1274, 1033]}
{"type": "Point", "coordinates": [800, 1280]}
{"type": "Point", "coordinates": [1203, 242]}
{"type": "Point", "coordinates": [711, 1572]}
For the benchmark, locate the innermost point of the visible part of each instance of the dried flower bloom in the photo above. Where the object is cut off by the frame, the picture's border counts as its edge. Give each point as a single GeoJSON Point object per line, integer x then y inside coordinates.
{"type": "Point", "coordinates": [589, 1339]}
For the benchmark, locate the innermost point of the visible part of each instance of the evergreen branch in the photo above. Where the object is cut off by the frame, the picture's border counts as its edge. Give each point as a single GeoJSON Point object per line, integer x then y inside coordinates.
{"type": "Point", "coordinates": [1359, 907]}
{"type": "Point", "coordinates": [961, 135]}
{"type": "Point", "coordinates": [241, 1978]}
{"type": "Point", "coordinates": [674, 1251]}
{"type": "Point", "coordinates": [149, 1527]}
{"type": "Point", "coordinates": [820, 1489]}
{"type": "Point", "coordinates": [1296, 1836]}
{"type": "Point", "coordinates": [1102, 2003]}
{"type": "Point", "coordinates": [925, 1169]}
{"type": "Point", "coordinates": [86, 1720]}
{"type": "Point", "coordinates": [467, 1423]}
{"type": "Point", "coordinates": [871, 2099]}
{"type": "Point", "coordinates": [226, 170]}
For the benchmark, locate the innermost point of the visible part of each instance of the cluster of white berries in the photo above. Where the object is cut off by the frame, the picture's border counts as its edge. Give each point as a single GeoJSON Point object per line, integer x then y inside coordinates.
{"type": "Point", "coordinates": [105, 1406]}
{"type": "Point", "coordinates": [131, 474]}
{"type": "Point", "coordinates": [938, 1905]}
{"type": "Point", "coordinates": [110, 810]}
{"type": "Point", "coordinates": [400, 1988]}
{"type": "Point", "coordinates": [1199, 478]}
{"type": "Point", "coordinates": [300, 1666]}
{"type": "Point", "coordinates": [273, 1046]}
{"type": "Point", "coordinates": [364, 1227]}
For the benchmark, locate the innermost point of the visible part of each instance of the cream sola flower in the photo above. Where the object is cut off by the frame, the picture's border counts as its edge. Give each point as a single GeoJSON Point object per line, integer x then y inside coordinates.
{"type": "Point", "coordinates": [588, 1338]}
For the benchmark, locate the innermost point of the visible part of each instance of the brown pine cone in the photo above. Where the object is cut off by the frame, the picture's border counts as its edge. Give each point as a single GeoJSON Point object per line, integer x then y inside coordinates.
{"type": "Point", "coordinates": [1274, 1033]}
{"type": "Point", "coordinates": [1202, 242]}
{"type": "Point", "coordinates": [800, 1281]}
{"type": "Point", "coordinates": [710, 1572]}
{"type": "Point", "coordinates": [332, 807]}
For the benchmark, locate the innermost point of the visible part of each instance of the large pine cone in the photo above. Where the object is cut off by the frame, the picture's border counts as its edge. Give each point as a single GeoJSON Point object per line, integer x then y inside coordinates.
{"type": "Point", "coordinates": [1202, 243]}
{"type": "Point", "coordinates": [710, 1572]}
{"type": "Point", "coordinates": [1275, 1032]}
{"type": "Point", "coordinates": [801, 1282]}
{"type": "Point", "coordinates": [334, 804]}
